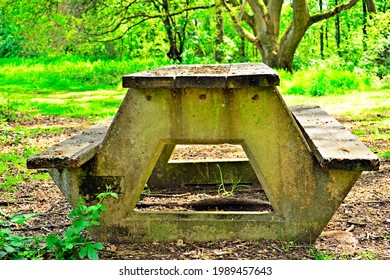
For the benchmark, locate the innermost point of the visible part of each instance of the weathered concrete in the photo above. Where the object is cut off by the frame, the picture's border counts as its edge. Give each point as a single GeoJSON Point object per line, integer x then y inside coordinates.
{"type": "Point", "coordinates": [161, 110]}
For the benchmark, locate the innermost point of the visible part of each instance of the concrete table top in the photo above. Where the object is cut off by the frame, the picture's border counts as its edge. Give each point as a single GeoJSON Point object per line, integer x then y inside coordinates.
{"type": "Point", "coordinates": [204, 76]}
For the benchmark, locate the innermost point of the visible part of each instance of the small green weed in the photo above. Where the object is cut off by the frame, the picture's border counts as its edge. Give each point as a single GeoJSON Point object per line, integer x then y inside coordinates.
{"type": "Point", "coordinates": [222, 188]}
{"type": "Point", "coordinates": [359, 132]}
{"type": "Point", "coordinates": [7, 111]}
{"type": "Point", "coordinates": [147, 190]}
{"type": "Point", "coordinates": [286, 246]}
{"type": "Point", "coordinates": [385, 154]}
{"type": "Point", "coordinates": [368, 256]}
{"type": "Point", "coordinates": [319, 255]}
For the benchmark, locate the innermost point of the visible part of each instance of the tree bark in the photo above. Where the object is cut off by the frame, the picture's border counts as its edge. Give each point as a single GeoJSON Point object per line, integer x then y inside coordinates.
{"type": "Point", "coordinates": [173, 52]}
{"type": "Point", "coordinates": [338, 32]}
{"type": "Point", "coordinates": [368, 8]}
{"type": "Point", "coordinates": [321, 35]}
{"type": "Point", "coordinates": [219, 35]}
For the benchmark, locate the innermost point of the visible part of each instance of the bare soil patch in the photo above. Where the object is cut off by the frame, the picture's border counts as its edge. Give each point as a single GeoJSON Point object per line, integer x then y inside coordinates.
{"type": "Point", "coordinates": [360, 229]}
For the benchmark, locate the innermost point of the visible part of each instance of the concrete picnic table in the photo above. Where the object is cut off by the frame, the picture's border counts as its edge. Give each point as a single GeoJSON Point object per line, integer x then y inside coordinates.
{"type": "Point", "coordinates": [305, 160]}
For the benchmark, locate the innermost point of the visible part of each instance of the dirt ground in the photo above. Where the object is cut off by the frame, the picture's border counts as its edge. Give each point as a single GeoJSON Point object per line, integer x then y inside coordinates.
{"type": "Point", "coordinates": [360, 229]}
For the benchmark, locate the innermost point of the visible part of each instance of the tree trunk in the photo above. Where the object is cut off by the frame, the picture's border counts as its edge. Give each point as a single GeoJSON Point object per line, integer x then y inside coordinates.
{"type": "Point", "coordinates": [219, 35]}
{"type": "Point", "coordinates": [173, 52]}
{"type": "Point", "coordinates": [368, 8]}
{"type": "Point", "coordinates": [338, 32]}
{"type": "Point", "coordinates": [242, 48]}
{"type": "Point", "coordinates": [321, 35]}
{"type": "Point", "coordinates": [370, 4]}
{"type": "Point", "coordinates": [364, 26]}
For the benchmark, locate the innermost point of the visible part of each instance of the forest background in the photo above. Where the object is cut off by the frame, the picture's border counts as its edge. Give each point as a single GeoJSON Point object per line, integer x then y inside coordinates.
{"type": "Point", "coordinates": [87, 44]}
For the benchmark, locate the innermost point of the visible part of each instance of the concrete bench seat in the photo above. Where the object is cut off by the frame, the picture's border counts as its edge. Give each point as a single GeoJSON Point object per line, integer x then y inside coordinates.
{"type": "Point", "coordinates": [332, 144]}
{"type": "Point", "coordinates": [72, 152]}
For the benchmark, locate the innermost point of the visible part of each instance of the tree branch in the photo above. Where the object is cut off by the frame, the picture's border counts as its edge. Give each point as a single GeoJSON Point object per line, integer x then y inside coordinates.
{"type": "Point", "coordinates": [245, 16]}
{"type": "Point", "coordinates": [144, 17]}
{"type": "Point", "coordinates": [336, 10]}
{"type": "Point", "coordinates": [242, 10]}
{"type": "Point", "coordinates": [249, 36]}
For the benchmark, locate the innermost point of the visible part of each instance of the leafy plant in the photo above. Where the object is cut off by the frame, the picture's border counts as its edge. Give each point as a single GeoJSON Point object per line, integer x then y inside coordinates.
{"type": "Point", "coordinates": [367, 256]}
{"type": "Point", "coordinates": [359, 132]}
{"type": "Point", "coordinates": [16, 247]}
{"type": "Point", "coordinates": [74, 243]}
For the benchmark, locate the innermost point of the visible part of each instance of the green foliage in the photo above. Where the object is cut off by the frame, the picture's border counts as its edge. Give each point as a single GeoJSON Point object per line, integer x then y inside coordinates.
{"type": "Point", "coordinates": [286, 246]}
{"type": "Point", "coordinates": [12, 167]}
{"type": "Point", "coordinates": [7, 111]}
{"type": "Point", "coordinates": [73, 244]}
{"type": "Point", "coordinates": [147, 191]}
{"type": "Point", "coordinates": [377, 56]}
{"type": "Point", "coordinates": [359, 132]}
{"type": "Point", "coordinates": [368, 256]}
{"type": "Point", "coordinates": [42, 28]}
{"type": "Point", "coordinates": [16, 247]}
{"type": "Point", "coordinates": [385, 154]}
{"type": "Point", "coordinates": [10, 45]}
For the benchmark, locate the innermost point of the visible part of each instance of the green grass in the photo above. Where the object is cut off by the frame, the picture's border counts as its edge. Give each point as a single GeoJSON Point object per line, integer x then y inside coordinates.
{"type": "Point", "coordinates": [368, 105]}
{"type": "Point", "coordinates": [13, 170]}
{"type": "Point", "coordinates": [102, 103]}
{"type": "Point", "coordinates": [13, 162]}
{"type": "Point", "coordinates": [323, 82]}
{"type": "Point", "coordinates": [359, 132]}
{"type": "Point", "coordinates": [64, 86]}
{"type": "Point", "coordinates": [385, 154]}
{"type": "Point", "coordinates": [66, 73]}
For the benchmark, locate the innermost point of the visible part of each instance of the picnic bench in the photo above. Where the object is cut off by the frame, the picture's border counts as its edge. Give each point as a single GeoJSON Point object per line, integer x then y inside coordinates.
{"type": "Point", "coordinates": [305, 160]}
